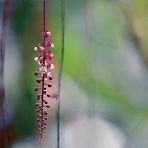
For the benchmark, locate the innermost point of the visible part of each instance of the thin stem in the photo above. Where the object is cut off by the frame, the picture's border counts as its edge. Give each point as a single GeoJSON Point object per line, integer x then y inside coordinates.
{"type": "Point", "coordinates": [61, 69]}
{"type": "Point", "coordinates": [42, 96]}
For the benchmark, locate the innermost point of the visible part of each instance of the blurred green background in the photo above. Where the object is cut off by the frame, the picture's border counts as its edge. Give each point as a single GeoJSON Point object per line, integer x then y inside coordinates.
{"type": "Point", "coordinates": [104, 85]}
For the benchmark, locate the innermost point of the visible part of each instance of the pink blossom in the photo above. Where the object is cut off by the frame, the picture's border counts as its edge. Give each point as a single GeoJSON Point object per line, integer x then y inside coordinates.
{"type": "Point", "coordinates": [48, 44]}
{"type": "Point", "coordinates": [40, 47]}
{"type": "Point", "coordinates": [45, 60]}
{"type": "Point", "coordinates": [46, 34]}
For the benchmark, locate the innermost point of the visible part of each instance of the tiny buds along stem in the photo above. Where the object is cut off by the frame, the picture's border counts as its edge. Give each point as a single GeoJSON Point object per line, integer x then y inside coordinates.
{"type": "Point", "coordinates": [43, 76]}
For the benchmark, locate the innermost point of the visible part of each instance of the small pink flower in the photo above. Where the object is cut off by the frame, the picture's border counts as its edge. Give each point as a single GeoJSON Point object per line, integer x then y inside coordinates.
{"type": "Point", "coordinates": [51, 66]}
{"type": "Point", "coordinates": [46, 74]}
{"type": "Point", "coordinates": [46, 60]}
{"type": "Point", "coordinates": [40, 60]}
{"type": "Point", "coordinates": [40, 47]}
{"type": "Point", "coordinates": [46, 34]}
{"type": "Point", "coordinates": [48, 55]}
{"type": "Point", "coordinates": [43, 70]}
{"type": "Point", "coordinates": [36, 58]}
{"type": "Point", "coordinates": [49, 44]}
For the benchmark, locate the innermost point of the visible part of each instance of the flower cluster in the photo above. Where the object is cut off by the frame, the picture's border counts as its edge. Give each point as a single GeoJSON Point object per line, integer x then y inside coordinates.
{"type": "Point", "coordinates": [43, 74]}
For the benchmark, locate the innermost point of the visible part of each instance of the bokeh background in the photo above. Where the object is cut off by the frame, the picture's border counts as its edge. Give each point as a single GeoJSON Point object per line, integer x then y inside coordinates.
{"type": "Point", "coordinates": [104, 85]}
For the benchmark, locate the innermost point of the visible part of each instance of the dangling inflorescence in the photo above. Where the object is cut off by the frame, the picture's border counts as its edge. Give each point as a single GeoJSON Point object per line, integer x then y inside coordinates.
{"type": "Point", "coordinates": [43, 79]}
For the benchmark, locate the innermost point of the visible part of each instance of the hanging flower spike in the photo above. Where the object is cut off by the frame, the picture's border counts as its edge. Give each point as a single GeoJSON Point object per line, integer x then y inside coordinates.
{"type": "Point", "coordinates": [43, 74]}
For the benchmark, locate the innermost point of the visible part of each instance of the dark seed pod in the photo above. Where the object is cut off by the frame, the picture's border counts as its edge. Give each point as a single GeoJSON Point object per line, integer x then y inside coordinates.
{"type": "Point", "coordinates": [48, 95]}
{"type": "Point", "coordinates": [46, 102]}
{"type": "Point", "coordinates": [50, 78]}
{"type": "Point", "coordinates": [36, 89]}
{"type": "Point", "coordinates": [47, 106]}
{"type": "Point", "coordinates": [38, 96]}
{"type": "Point", "coordinates": [38, 81]}
{"type": "Point", "coordinates": [49, 85]}
{"type": "Point", "coordinates": [45, 113]}
{"type": "Point", "coordinates": [36, 73]}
